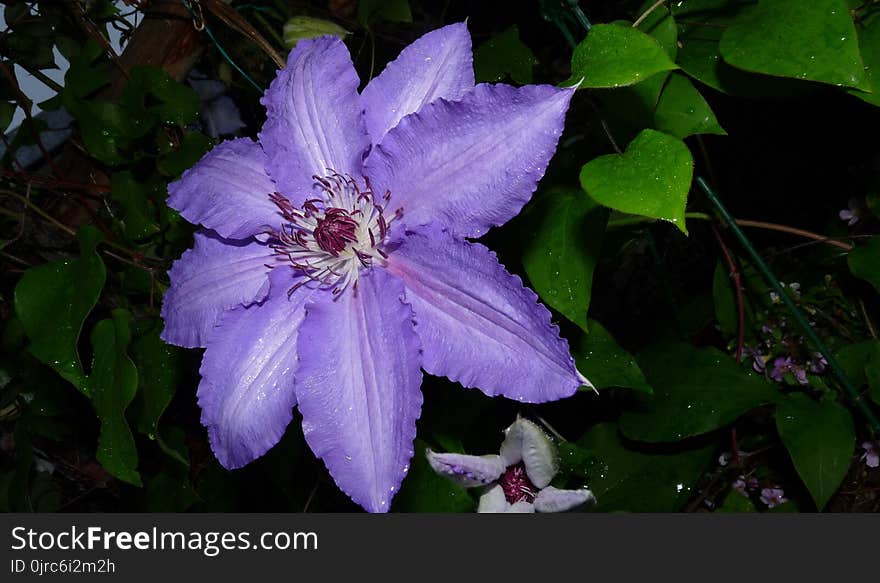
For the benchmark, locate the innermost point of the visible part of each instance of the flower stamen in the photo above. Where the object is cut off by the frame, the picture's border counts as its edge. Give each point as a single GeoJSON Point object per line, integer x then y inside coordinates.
{"type": "Point", "coordinates": [329, 239]}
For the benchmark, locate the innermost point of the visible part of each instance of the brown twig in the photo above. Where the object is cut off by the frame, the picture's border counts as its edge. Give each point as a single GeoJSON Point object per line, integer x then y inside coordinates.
{"type": "Point", "coordinates": [647, 13]}
{"type": "Point", "coordinates": [50, 182]}
{"type": "Point", "coordinates": [794, 231]}
{"type": "Point", "coordinates": [23, 102]}
{"type": "Point", "coordinates": [237, 22]}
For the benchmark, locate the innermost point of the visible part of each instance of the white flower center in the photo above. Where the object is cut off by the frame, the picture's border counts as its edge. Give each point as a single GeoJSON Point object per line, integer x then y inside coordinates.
{"type": "Point", "coordinates": [331, 238]}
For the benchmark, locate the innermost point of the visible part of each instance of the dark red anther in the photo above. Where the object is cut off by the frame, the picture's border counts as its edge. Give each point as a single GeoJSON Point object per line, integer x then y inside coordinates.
{"type": "Point", "coordinates": [516, 485]}
{"type": "Point", "coordinates": [335, 230]}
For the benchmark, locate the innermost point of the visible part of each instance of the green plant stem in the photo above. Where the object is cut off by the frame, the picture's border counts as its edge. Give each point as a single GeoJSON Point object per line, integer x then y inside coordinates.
{"type": "Point", "coordinates": [799, 317]}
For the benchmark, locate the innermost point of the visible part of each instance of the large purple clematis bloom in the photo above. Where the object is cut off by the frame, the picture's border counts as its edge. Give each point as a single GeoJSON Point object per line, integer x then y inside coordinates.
{"type": "Point", "coordinates": [333, 265]}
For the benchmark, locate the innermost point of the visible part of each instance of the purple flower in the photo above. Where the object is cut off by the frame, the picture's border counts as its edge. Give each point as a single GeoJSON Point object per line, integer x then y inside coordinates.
{"type": "Point", "coordinates": [853, 213]}
{"type": "Point", "coordinates": [818, 364]}
{"type": "Point", "coordinates": [219, 114]}
{"type": "Point", "coordinates": [871, 456]}
{"type": "Point", "coordinates": [773, 497]}
{"type": "Point", "coordinates": [740, 486]}
{"type": "Point", "coordinates": [334, 265]}
{"type": "Point", "coordinates": [780, 367]}
{"type": "Point", "coordinates": [516, 480]}
{"type": "Point", "coordinates": [784, 365]}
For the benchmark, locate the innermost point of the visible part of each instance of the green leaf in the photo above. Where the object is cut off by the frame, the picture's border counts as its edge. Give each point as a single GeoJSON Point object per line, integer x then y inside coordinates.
{"type": "Point", "coordinates": [625, 479]}
{"type": "Point", "coordinates": [7, 111]}
{"type": "Point", "coordinates": [105, 128]}
{"type": "Point", "coordinates": [861, 363]}
{"type": "Point", "coordinates": [85, 74]}
{"type": "Point", "coordinates": [562, 251]}
{"type": "Point", "coordinates": [682, 111]}
{"type": "Point", "coordinates": [387, 10]}
{"type": "Point", "coordinates": [192, 147]}
{"type": "Point", "coordinates": [52, 302]}
{"type": "Point", "coordinates": [696, 390]}
{"type": "Point", "coordinates": [152, 97]}
{"type": "Point", "coordinates": [661, 26]}
{"type": "Point", "coordinates": [864, 262]}
{"type": "Point", "coordinates": [701, 24]}
{"type": "Point", "coordinates": [601, 359]}
{"type": "Point", "coordinates": [868, 29]}
{"type": "Point", "coordinates": [614, 56]}
{"type": "Point", "coordinates": [111, 386]}
{"type": "Point", "coordinates": [159, 365]}
{"type": "Point", "coordinates": [303, 27]}
{"type": "Point", "coordinates": [652, 178]}
{"type": "Point", "coordinates": [872, 200]}
{"type": "Point", "coordinates": [30, 44]}
{"type": "Point", "coordinates": [502, 55]}
{"type": "Point", "coordinates": [425, 491]}
{"type": "Point", "coordinates": [736, 503]}
{"type": "Point", "coordinates": [134, 198]}
{"type": "Point", "coordinates": [813, 40]}
{"type": "Point", "coordinates": [629, 110]}
{"type": "Point", "coordinates": [820, 439]}
{"type": "Point", "coordinates": [170, 492]}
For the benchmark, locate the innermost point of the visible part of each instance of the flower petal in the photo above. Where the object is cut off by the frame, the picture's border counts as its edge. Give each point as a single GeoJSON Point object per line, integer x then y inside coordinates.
{"type": "Point", "coordinates": [473, 163]}
{"type": "Point", "coordinates": [247, 389]}
{"type": "Point", "coordinates": [314, 118]}
{"type": "Point", "coordinates": [525, 442]}
{"type": "Point", "coordinates": [552, 499]}
{"type": "Point", "coordinates": [521, 507]}
{"type": "Point", "coordinates": [215, 275]}
{"type": "Point", "coordinates": [467, 470]}
{"type": "Point", "coordinates": [439, 64]}
{"type": "Point", "coordinates": [493, 501]}
{"type": "Point", "coordinates": [228, 191]}
{"type": "Point", "coordinates": [358, 386]}
{"type": "Point", "coordinates": [478, 324]}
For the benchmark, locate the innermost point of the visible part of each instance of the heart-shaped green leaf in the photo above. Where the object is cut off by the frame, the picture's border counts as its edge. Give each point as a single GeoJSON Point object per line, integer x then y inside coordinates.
{"type": "Point", "coordinates": [868, 29]}
{"type": "Point", "coordinates": [864, 262]}
{"type": "Point", "coordinates": [820, 439]}
{"type": "Point", "coordinates": [625, 479]}
{"type": "Point", "coordinates": [813, 40]}
{"type": "Point", "coordinates": [652, 178]}
{"type": "Point", "coordinates": [682, 111]}
{"type": "Point", "coordinates": [562, 251]}
{"type": "Point", "coordinates": [696, 390]}
{"type": "Point", "coordinates": [52, 302]}
{"type": "Point", "coordinates": [504, 54]}
{"type": "Point", "coordinates": [111, 387]}
{"type": "Point", "coordinates": [861, 363]}
{"type": "Point", "coordinates": [616, 55]}
{"type": "Point", "coordinates": [602, 360]}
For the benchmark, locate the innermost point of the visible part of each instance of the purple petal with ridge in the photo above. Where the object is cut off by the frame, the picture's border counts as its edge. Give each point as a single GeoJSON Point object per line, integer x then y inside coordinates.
{"type": "Point", "coordinates": [358, 387]}
{"type": "Point", "coordinates": [247, 389]}
{"type": "Point", "coordinates": [470, 164]}
{"type": "Point", "coordinates": [438, 64]}
{"type": "Point", "coordinates": [478, 324]}
{"type": "Point", "coordinates": [214, 276]}
{"type": "Point", "coordinates": [228, 191]}
{"type": "Point", "coordinates": [314, 118]}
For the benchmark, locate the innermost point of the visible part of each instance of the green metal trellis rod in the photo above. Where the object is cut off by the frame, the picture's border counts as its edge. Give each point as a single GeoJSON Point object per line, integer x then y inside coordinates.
{"type": "Point", "coordinates": [730, 223]}
{"type": "Point", "coordinates": [768, 275]}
